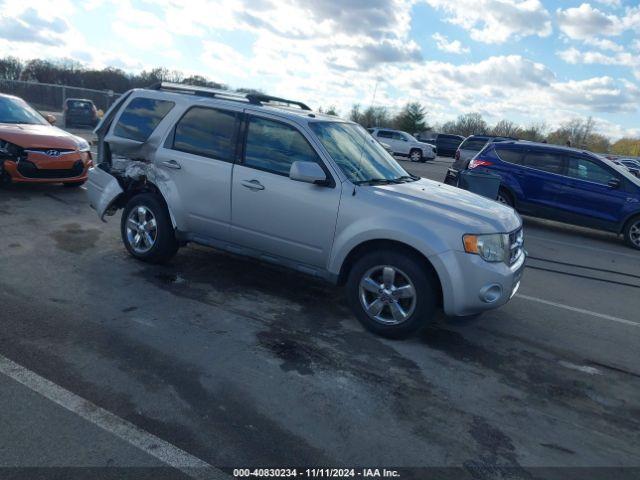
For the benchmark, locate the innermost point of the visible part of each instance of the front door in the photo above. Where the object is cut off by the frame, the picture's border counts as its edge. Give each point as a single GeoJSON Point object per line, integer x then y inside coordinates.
{"type": "Point", "coordinates": [272, 213]}
{"type": "Point", "coordinates": [541, 179]}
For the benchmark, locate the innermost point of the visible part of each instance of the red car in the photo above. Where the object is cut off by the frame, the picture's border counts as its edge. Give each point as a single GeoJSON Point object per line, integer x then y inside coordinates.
{"type": "Point", "coordinates": [32, 150]}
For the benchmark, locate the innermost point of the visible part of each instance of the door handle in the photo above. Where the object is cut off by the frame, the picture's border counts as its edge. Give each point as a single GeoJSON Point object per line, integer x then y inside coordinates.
{"type": "Point", "coordinates": [254, 185]}
{"type": "Point", "coordinates": [171, 164]}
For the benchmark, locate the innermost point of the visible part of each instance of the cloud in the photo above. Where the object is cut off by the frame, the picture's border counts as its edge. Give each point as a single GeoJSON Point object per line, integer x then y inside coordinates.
{"type": "Point", "coordinates": [445, 45]}
{"type": "Point", "coordinates": [604, 44]}
{"type": "Point", "coordinates": [497, 21]}
{"type": "Point", "coordinates": [29, 26]}
{"type": "Point", "coordinates": [600, 94]}
{"type": "Point", "coordinates": [585, 22]}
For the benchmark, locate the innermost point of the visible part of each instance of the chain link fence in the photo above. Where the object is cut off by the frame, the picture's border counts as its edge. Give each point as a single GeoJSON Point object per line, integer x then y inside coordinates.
{"type": "Point", "coordinates": [51, 97]}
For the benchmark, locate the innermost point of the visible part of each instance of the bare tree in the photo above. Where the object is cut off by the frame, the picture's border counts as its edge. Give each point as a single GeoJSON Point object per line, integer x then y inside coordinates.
{"type": "Point", "coordinates": [506, 128]}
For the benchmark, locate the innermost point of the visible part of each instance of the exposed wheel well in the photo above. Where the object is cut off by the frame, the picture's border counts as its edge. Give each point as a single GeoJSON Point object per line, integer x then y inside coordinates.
{"type": "Point", "coordinates": [133, 189]}
{"type": "Point", "coordinates": [373, 245]}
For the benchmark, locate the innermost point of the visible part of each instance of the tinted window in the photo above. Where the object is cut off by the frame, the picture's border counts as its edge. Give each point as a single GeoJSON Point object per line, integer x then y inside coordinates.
{"type": "Point", "coordinates": [207, 132]}
{"type": "Point", "coordinates": [274, 146]}
{"type": "Point", "coordinates": [79, 104]}
{"type": "Point", "coordinates": [474, 144]}
{"type": "Point", "coordinates": [397, 136]}
{"type": "Point", "coordinates": [384, 134]}
{"type": "Point", "coordinates": [545, 161]}
{"type": "Point", "coordinates": [510, 156]}
{"type": "Point", "coordinates": [584, 169]}
{"type": "Point", "coordinates": [141, 117]}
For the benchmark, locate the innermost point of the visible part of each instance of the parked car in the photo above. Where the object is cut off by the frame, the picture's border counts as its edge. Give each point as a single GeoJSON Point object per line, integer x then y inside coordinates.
{"type": "Point", "coordinates": [468, 149]}
{"type": "Point", "coordinates": [80, 112]}
{"type": "Point", "coordinates": [565, 184]}
{"type": "Point", "coordinates": [405, 145]}
{"type": "Point", "coordinates": [305, 191]}
{"type": "Point", "coordinates": [447, 145]}
{"type": "Point", "coordinates": [34, 151]}
{"type": "Point", "coordinates": [631, 164]}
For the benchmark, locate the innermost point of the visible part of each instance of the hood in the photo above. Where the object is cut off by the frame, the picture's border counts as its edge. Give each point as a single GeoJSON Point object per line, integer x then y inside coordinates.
{"type": "Point", "coordinates": [37, 136]}
{"type": "Point", "coordinates": [474, 213]}
{"type": "Point", "coordinates": [427, 144]}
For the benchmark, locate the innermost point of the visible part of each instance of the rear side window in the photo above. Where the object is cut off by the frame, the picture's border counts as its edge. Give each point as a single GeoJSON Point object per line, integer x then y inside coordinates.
{"type": "Point", "coordinates": [273, 146]}
{"type": "Point", "coordinates": [383, 134]}
{"type": "Point", "coordinates": [545, 161]}
{"type": "Point", "coordinates": [207, 132]}
{"type": "Point", "coordinates": [510, 155]}
{"type": "Point", "coordinates": [474, 144]}
{"type": "Point", "coordinates": [583, 169]}
{"type": "Point", "coordinates": [141, 117]}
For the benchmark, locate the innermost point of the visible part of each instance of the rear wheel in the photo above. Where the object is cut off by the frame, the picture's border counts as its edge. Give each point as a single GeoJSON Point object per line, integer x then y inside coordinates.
{"type": "Point", "coordinates": [415, 155]}
{"type": "Point", "coordinates": [146, 229]}
{"type": "Point", "coordinates": [632, 233]}
{"type": "Point", "coordinates": [392, 293]}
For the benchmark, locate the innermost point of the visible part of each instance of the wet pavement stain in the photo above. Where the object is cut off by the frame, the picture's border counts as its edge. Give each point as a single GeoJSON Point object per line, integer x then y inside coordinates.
{"type": "Point", "coordinates": [558, 448]}
{"type": "Point", "coordinates": [74, 238]}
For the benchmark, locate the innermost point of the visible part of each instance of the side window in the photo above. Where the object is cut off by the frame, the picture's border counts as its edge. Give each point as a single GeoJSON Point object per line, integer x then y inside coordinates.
{"type": "Point", "coordinates": [545, 161]}
{"type": "Point", "coordinates": [384, 134]}
{"type": "Point", "coordinates": [273, 146]}
{"type": "Point", "coordinates": [474, 144]}
{"type": "Point", "coordinates": [510, 156]}
{"type": "Point", "coordinates": [206, 132]}
{"type": "Point", "coordinates": [397, 136]}
{"type": "Point", "coordinates": [583, 169]}
{"type": "Point", "coordinates": [141, 117]}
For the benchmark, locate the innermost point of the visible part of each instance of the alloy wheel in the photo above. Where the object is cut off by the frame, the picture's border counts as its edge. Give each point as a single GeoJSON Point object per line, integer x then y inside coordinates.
{"type": "Point", "coordinates": [387, 295]}
{"type": "Point", "coordinates": [142, 229]}
{"type": "Point", "coordinates": [634, 234]}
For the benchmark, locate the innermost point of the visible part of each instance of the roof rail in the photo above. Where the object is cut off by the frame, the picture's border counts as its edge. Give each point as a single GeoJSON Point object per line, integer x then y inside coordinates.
{"type": "Point", "coordinates": [196, 90]}
{"type": "Point", "coordinates": [253, 98]}
{"type": "Point", "coordinates": [260, 99]}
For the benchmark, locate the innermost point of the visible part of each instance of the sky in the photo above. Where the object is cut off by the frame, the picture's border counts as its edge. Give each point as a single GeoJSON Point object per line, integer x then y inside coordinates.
{"type": "Point", "coordinates": [529, 61]}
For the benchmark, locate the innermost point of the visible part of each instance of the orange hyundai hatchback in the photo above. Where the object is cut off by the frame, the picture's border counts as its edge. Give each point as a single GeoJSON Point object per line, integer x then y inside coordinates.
{"type": "Point", "coordinates": [34, 151]}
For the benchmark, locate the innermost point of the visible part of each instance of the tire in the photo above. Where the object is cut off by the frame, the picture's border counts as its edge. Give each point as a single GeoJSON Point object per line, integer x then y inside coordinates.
{"type": "Point", "coordinates": [73, 184]}
{"type": "Point", "coordinates": [415, 155]}
{"type": "Point", "coordinates": [632, 232]}
{"type": "Point", "coordinates": [505, 197]}
{"type": "Point", "coordinates": [366, 286]}
{"type": "Point", "coordinates": [154, 245]}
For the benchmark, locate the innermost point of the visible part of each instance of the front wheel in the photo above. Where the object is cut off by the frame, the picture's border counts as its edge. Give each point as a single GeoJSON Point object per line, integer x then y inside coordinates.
{"type": "Point", "coordinates": [632, 233]}
{"type": "Point", "coordinates": [146, 229]}
{"type": "Point", "coordinates": [392, 293]}
{"type": "Point", "coordinates": [415, 155]}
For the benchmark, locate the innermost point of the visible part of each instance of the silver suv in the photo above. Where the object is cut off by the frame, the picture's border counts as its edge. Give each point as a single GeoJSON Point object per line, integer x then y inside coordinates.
{"type": "Point", "coordinates": [267, 178]}
{"type": "Point", "coordinates": [405, 145]}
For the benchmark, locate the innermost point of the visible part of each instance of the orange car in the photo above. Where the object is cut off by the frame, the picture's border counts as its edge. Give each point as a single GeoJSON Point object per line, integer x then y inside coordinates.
{"type": "Point", "coordinates": [32, 150]}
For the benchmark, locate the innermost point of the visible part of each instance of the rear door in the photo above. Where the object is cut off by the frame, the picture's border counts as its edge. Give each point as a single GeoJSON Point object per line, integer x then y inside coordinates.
{"type": "Point", "coordinates": [386, 136]}
{"type": "Point", "coordinates": [196, 162]}
{"type": "Point", "coordinates": [587, 196]}
{"type": "Point", "coordinates": [541, 181]}
{"type": "Point", "coordinates": [272, 213]}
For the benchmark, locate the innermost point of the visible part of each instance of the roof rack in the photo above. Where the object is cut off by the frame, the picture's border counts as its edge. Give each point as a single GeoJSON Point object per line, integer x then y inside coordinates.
{"type": "Point", "coordinates": [253, 98]}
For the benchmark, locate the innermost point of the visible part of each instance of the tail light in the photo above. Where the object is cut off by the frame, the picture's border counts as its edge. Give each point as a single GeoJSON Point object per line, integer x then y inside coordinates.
{"type": "Point", "coordinates": [477, 162]}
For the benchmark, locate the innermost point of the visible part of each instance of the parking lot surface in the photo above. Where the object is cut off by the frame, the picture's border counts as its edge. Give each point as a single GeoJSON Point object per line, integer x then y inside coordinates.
{"type": "Point", "coordinates": [243, 364]}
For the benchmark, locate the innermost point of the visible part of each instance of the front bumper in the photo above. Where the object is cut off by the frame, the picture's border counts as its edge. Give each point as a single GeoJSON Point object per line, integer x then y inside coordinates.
{"type": "Point", "coordinates": [37, 167]}
{"type": "Point", "coordinates": [471, 285]}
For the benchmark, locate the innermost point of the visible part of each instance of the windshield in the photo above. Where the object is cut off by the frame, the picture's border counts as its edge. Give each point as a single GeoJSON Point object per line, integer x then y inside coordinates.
{"type": "Point", "coordinates": [358, 154]}
{"type": "Point", "coordinates": [16, 110]}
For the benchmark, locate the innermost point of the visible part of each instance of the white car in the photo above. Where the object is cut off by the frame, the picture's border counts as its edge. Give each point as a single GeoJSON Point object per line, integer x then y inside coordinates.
{"type": "Point", "coordinates": [405, 145]}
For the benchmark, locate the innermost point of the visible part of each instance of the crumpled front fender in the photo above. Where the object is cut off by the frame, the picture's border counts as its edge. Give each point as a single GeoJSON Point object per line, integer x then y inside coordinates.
{"type": "Point", "coordinates": [102, 189]}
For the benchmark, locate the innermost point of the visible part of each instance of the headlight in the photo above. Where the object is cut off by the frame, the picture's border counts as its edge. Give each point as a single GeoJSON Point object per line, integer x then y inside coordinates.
{"type": "Point", "coordinates": [492, 248]}
{"type": "Point", "coordinates": [83, 145]}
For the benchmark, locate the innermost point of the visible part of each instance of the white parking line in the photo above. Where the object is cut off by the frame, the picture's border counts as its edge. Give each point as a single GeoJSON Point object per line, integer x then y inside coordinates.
{"type": "Point", "coordinates": [145, 441]}
{"type": "Point", "coordinates": [578, 310]}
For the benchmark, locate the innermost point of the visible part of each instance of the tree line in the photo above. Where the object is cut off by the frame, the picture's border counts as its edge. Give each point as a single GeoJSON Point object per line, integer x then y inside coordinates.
{"type": "Point", "coordinates": [411, 118]}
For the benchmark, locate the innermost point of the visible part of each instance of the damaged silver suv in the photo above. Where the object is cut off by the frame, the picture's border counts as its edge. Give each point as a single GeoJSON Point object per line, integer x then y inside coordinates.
{"type": "Point", "coordinates": [265, 177]}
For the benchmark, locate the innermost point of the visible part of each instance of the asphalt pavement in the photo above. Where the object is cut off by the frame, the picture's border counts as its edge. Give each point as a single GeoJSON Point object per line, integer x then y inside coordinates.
{"type": "Point", "coordinates": [239, 364]}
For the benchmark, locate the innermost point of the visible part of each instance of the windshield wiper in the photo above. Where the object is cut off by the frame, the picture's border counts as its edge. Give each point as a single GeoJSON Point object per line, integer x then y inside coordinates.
{"type": "Point", "coordinates": [377, 181]}
{"type": "Point", "coordinates": [407, 178]}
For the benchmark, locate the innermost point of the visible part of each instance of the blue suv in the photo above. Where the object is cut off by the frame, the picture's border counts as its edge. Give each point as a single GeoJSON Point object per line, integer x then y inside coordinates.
{"type": "Point", "coordinates": [565, 184]}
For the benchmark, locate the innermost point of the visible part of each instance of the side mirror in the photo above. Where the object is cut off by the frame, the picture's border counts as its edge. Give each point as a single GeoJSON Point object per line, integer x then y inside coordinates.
{"type": "Point", "coordinates": [50, 118]}
{"type": "Point", "coordinates": [614, 183]}
{"type": "Point", "coordinates": [308, 172]}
